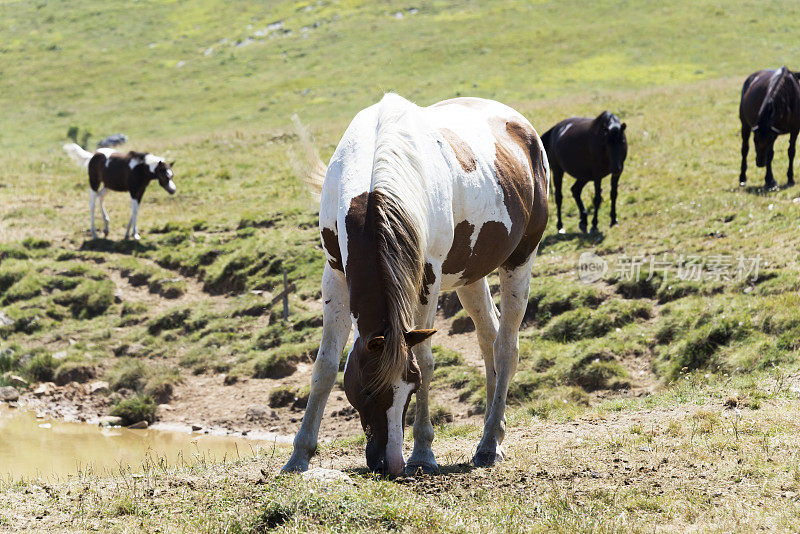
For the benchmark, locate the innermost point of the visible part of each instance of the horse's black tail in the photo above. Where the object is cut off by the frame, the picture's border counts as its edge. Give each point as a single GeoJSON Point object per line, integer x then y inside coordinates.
{"type": "Point", "coordinates": [546, 140]}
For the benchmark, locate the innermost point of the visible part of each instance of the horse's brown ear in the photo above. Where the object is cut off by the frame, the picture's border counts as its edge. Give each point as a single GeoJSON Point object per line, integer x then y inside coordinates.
{"type": "Point", "coordinates": [376, 343]}
{"type": "Point", "coordinates": [171, 163]}
{"type": "Point", "coordinates": [416, 337]}
{"type": "Point", "coordinates": [623, 126]}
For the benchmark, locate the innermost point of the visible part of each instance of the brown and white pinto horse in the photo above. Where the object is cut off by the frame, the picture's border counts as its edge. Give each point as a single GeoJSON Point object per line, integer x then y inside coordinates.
{"type": "Point", "coordinates": [115, 171]}
{"type": "Point", "coordinates": [417, 200]}
{"type": "Point", "coordinates": [770, 106]}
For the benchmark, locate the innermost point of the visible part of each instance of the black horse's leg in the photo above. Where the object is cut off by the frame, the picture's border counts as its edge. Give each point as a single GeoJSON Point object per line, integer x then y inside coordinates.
{"type": "Point", "coordinates": [558, 179]}
{"type": "Point", "coordinates": [769, 180]}
{"type": "Point", "coordinates": [576, 189]}
{"type": "Point", "coordinates": [790, 172]}
{"type": "Point", "coordinates": [745, 149]}
{"type": "Point", "coordinates": [598, 198]}
{"type": "Point", "coordinates": [614, 186]}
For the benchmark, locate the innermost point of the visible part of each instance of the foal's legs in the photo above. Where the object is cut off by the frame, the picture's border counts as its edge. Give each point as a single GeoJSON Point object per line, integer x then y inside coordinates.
{"type": "Point", "coordinates": [422, 457]}
{"type": "Point", "coordinates": [614, 187]}
{"type": "Point", "coordinates": [745, 149]}
{"type": "Point", "coordinates": [598, 198]}
{"type": "Point", "coordinates": [558, 179]}
{"type": "Point", "coordinates": [577, 187]}
{"type": "Point", "coordinates": [769, 180]}
{"type": "Point", "coordinates": [477, 301]}
{"type": "Point", "coordinates": [514, 287]}
{"type": "Point", "coordinates": [790, 172]}
{"type": "Point", "coordinates": [336, 328]}
{"type": "Point", "coordinates": [101, 195]}
{"type": "Point", "coordinates": [132, 229]}
{"type": "Point", "coordinates": [92, 200]}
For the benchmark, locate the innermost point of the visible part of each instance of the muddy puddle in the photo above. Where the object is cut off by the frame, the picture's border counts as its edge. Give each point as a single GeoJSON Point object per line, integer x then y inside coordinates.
{"type": "Point", "coordinates": [31, 447]}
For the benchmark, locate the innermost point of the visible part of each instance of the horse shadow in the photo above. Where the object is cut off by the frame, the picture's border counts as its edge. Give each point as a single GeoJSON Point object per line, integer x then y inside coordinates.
{"type": "Point", "coordinates": [762, 190]}
{"type": "Point", "coordinates": [582, 239]}
{"type": "Point", "coordinates": [444, 471]}
{"type": "Point", "coordinates": [125, 246]}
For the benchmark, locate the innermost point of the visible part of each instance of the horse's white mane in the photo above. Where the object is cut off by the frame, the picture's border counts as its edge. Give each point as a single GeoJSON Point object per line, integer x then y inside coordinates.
{"type": "Point", "coordinates": [398, 185]}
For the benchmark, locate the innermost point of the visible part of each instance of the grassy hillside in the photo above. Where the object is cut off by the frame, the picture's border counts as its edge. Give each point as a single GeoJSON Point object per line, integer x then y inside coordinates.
{"type": "Point", "coordinates": [213, 84]}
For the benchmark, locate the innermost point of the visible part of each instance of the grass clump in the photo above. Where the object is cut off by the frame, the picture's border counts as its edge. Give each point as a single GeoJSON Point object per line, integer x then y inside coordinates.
{"type": "Point", "coordinates": [135, 409]}
{"type": "Point", "coordinates": [585, 323]}
{"type": "Point", "coordinates": [169, 320]}
{"type": "Point", "coordinates": [550, 298]}
{"type": "Point", "coordinates": [90, 299]}
{"type": "Point", "coordinates": [282, 362]}
{"type": "Point", "coordinates": [73, 371]}
{"type": "Point", "coordinates": [128, 373]}
{"type": "Point", "coordinates": [41, 367]}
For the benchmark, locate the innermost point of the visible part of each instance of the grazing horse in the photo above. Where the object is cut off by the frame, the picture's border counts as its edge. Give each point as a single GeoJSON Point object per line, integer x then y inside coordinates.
{"type": "Point", "coordinates": [115, 171]}
{"type": "Point", "coordinates": [416, 200]}
{"type": "Point", "coordinates": [588, 149]}
{"type": "Point", "coordinates": [770, 107]}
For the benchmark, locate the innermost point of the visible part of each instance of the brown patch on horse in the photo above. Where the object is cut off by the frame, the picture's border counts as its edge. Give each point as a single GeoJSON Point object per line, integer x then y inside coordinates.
{"type": "Point", "coordinates": [367, 299]}
{"type": "Point", "coordinates": [428, 278]}
{"type": "Point", "coordinates": [331, 244]}
{"type": "Point", "coordinates": [524, 196]}
{"type": "Point", "coordinates": [460, 249]}
{"type": "Point", "coordinates": [463, 152]}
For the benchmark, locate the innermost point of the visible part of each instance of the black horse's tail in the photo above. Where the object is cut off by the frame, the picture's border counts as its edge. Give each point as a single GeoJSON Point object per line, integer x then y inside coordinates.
{"type": "Point", "coordinates": [546, 139]}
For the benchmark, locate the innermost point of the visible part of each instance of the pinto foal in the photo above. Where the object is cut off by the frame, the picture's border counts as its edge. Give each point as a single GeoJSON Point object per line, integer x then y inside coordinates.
{"type": "Point", "coordinates": [115, 171]}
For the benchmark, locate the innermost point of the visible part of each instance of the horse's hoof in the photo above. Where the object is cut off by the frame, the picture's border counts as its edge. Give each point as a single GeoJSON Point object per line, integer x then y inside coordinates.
{"type": "Point", "coordinates": [136, 237]}
{"type": "Point", "coordinates": [487, 458]}
{"type": "Point", "coordinates": [613, 224]}
{"type": "Point", "coordinates": [771, 186]}
{"type": "Point", "coordinates": [295, 465]}
{"type": "Point", "coordinates": [742, 184]}
{"type": "Point", "coordinates": [562, 231]}
{"type": "Point", "coordinates": [412, 470]}
{"type": "Point", "coordinates": [594, 230]}
{"type": "Point", "coordinates": [582, 228]}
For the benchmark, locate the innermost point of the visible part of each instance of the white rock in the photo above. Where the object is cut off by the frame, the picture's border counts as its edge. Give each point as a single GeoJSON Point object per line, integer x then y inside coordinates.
{"type": "Point", "coordinates": [8, 394]}
{"type": "Point", "coordinates": [326, 475]}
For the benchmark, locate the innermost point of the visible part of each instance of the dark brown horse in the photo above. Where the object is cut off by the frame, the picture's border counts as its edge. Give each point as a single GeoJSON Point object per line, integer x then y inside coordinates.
{"type": "Point", "coordinates": [588, 149]}
{"type": "Point", "coordinates": [110, 170]}
{"type": "Point", "coordinates": [770, 107]}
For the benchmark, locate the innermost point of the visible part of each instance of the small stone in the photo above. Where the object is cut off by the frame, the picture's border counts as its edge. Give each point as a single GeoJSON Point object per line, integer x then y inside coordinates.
{"type": "Point", "coordinates": [138, 426]}
{"type": "Point", "coordinates": [110, 420]}
{"type": "Point", "coordinates": [165, 407]}
{"type": "Point", "coordinates": [15, 380]}
{"type": "Point", "coordinates": [60, 355]}
{"type": "Point", "coordinates": [98, 387]}
{"type": "Point", "coordinates": [8, 394]}
{"type": "Point", "coordinates": [45, 389]}
{"type": "Point", "coordinates": [196, 428]}
{"type": "Point", "coordinates": [5, 320]}
{"type": "Point", "coordinates": [230, 380]}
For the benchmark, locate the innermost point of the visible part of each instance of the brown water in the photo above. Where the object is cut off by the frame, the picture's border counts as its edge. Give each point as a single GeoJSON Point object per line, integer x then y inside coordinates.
{"type": "Point", "coordinates": [31, 447]}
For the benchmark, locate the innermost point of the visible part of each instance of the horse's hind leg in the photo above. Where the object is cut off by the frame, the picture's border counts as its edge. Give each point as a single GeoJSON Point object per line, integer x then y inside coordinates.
{"type": "Point", "coordinates": [790, 172]}
{"type": "Point", "coordinates": [336, 328]}
{"type": "Point", "coordinates": [576, 189]}
{"type": "Point", "coordinates": [477, 301]}
{"type": "Point", "coordinates": [745, 150]}
{"type": "Point", "coordinates": [514, 288]}
{"type": "Point", "coordinates": [422, 457]}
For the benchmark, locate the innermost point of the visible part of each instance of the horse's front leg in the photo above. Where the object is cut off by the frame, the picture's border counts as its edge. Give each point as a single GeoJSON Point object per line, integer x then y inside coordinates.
{"type": "Point", "coordinates": [101, 195]}
{"type": "Point", "coordinates": [514, 288]}
{"type": "Point", "coordinates": [790, 172]}
{"type": "Point", "coordinates": [769, 180]}
{"type": "Point", "coordinates": [92, 200]}
{"type": "Point", "coordinates": [745, 150]}
{"type": "Point", "coordinates": [336, 326]}
{"type": "Point", "coordinates": [614, 189]}
{"type": "Point", "coordinates": [576, 189]}
{"type": "Point", "coordinates": [598, 198]}
{"type": "Point", "coordinates": [422, 457]}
